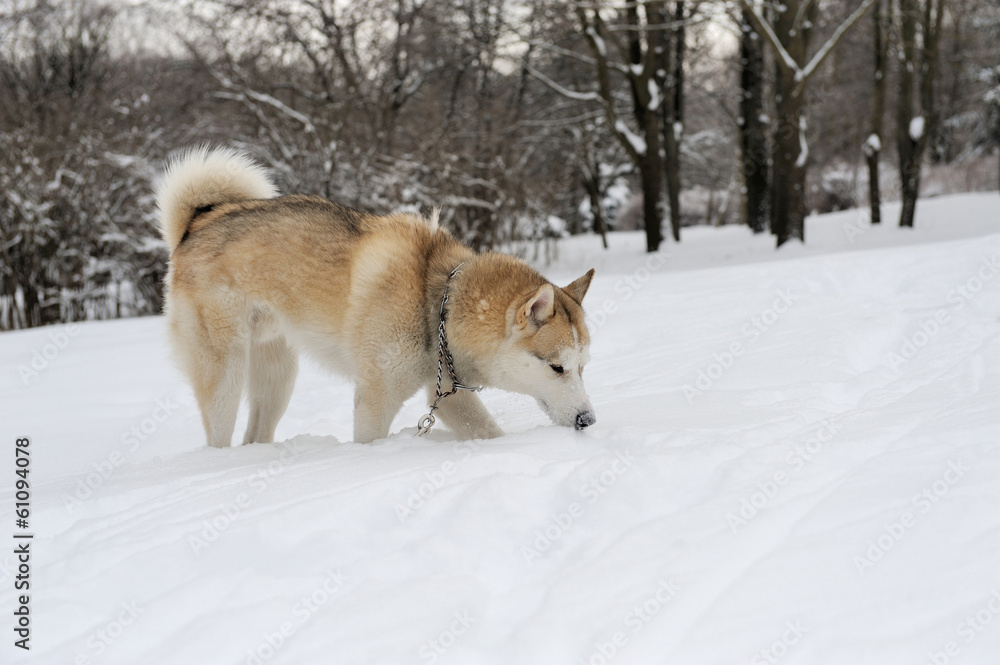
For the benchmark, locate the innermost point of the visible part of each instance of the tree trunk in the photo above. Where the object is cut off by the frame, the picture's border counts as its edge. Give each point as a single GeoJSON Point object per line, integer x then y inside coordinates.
{"type": "Point", "coordinates": [912, 134]}
{"type": "Point", "coordinates": [753, 132]}
{"type": "Point", "coordinates": [933, 14]}
{"type": "Point", "coordinates": [650, 161]}
{"type": "Point", "coordinates": [592, 183]}
{"type": "Point", "coordinates": [788, 201]}
{"type": "Point", "coordinates": [644, 150]}
{"type": "Point", "coordinates": [673, 118]}
{"type": "Point", "coordinates": [599, 224]}
{"type": "Point", "coordinates": [666, 79]}
{"type": "Point", "coordinates": [790, 151]}
{"type": "Point", "coordinates": [789, 40]}
{"type": "Point", "coordinates": [33, 313]}
{"type": "Point", "coordinates": [905, 146]}
{"type": "Point", "coordinates": [672, 173]}
{"type": "Point", "coordinates": [909, 164]}
{"type": "Point", "coordinates": [873, 146]}
{"type": "Point", "coordinates": [680, 46]}
{"type": "Point", "coordinates": [652, 178]}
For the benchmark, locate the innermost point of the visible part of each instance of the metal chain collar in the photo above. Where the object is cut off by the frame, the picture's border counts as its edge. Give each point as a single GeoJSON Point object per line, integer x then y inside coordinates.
{"type": "Point", "coordinates": [444, 358]}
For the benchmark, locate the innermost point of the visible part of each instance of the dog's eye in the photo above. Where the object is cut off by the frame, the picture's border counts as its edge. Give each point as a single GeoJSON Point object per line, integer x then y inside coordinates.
{"type": "Point", "coordinates": [558, 369]}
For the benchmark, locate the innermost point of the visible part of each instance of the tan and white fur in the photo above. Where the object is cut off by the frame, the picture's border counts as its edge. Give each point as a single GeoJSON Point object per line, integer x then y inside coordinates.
{"type": "Point", "coordinates": [255, 278]}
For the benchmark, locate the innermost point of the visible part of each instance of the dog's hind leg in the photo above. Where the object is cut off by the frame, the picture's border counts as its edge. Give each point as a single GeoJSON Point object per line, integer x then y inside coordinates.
{"type": "Point", "coordinates": [273, 367]}
{"type": "Point", "coordinates": [213, 346]}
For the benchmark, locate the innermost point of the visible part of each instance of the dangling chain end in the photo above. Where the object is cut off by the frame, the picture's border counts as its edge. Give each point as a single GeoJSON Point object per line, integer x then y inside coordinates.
{"type": "Point", "coordinates": [425, 424]}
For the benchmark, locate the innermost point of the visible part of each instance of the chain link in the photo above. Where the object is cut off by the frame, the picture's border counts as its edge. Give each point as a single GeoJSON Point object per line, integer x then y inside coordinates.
{"type": "Point", "coordinates": [444, 358]}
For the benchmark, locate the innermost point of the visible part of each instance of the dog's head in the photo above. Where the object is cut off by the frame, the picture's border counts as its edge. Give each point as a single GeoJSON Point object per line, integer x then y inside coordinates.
{"type": "Point", "coordinates": [546, 350]}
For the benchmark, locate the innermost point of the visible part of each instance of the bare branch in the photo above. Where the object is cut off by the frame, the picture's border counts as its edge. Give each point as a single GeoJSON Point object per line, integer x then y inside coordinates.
{"type": "Point", "coordinates": [562, 51]}
{"type": "Point", "coordinates": [565, 92]}
{"type": "Point", "coordinates": [800, 15]}
{"type": "Point", "coordinates": [801, 74]}
{"type": "Point", "coordinates": [824, 51]}
{"type": "Point", "coordinates": [599, 48]}
{"type": "Point", "coordinates": [668, 25]}
{"type": "Point", "coordinates": [765, 29]}
{"type": "Point", "coordinates": [266, 99]}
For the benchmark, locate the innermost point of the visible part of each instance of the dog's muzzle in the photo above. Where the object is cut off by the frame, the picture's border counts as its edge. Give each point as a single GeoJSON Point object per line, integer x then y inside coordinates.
{"type": "Point", "coordinates": [585, 419]}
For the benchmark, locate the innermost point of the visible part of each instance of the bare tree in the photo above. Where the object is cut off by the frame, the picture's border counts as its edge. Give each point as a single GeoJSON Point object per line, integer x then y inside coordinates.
{"type": "Point", "coordinates": [992, 100]}
{"type": "Point", "coordinates": [76, 238]}
{"type": "Point", "coordinates": [917, 72]}
{"type": "Point", "coordinates": [588, 159]}
{"type": "Point", "coordinates": [872, 147]}
{"type": "Point", "coordinates": [670, 79]}
{"type": "Point", "coordinates": [788, 38]}
{"type": "Point", "coordinates": [516, 117]}
{"type": "Point", "coordinates": [753, 126]}
{"type": "Point", "coordinates": [636, 50]}
{"type": "Point", "coordinates": [639, 63]}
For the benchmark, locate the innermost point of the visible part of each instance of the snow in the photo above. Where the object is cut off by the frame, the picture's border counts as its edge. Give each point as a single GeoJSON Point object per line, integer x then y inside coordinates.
{"type": "Point", "coordinates": [616, 197]}
{"type": "Point", "coordinates": [566, 92]}
{"type": "Point", "coordinates": [655, 99]}
{"type": "Point", "coordinates": [917, 128]}
{"type": "Point", "coordinates": [872, 145]}
{"type": "Point", "coordinates": [556, 225]}
{"type": "Point", "coordinates": [637, 142]}
{"type": "Point", "coordinates": [795, 456]}
{"type": "Point", "coordinates": [599, 44]}
{"type": "Point", "coordinates": [800, 161]}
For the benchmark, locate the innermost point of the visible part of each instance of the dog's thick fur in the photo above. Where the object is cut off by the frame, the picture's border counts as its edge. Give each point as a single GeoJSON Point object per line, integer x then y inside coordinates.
{"type": "Point", "coordinates": [254, 278]}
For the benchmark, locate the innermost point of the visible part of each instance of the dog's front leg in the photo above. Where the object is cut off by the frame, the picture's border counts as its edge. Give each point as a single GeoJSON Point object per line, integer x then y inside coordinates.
{"type": "Point", "coordinates": [465, 414]}
{"type": "Point", "coordinates": [374, 409]}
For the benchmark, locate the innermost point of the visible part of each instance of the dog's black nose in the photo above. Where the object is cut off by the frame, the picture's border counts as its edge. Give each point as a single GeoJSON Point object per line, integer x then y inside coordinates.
{"type": "Point", "coordinates": [585, 419]}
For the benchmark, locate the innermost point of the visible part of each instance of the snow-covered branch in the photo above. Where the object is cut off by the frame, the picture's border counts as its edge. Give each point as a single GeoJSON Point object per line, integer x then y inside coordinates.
{"type": "Point", "coordinates": [825, 50]}
{"type": "Point", "coordinates": [637, 143]}
{"type": "Point", "coordinates": [565, 92]}
{"type": "Point", "coordinates": [801, 74]}
{"type": "Point", "coordinates": [569, 53]}
{"type": "Point", "coordinates": [765, 29]}
{"type": "Point", "coordinates": [267, 99]}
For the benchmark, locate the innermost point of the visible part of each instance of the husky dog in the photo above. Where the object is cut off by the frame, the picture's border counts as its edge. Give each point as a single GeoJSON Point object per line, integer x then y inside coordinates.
{"type": "Point", "coordinates": [255, 278]}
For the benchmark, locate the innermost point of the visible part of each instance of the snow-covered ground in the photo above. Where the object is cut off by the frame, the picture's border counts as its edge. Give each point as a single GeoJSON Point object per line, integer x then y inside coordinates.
{"type": "Point", "coordinates": [796, 460]}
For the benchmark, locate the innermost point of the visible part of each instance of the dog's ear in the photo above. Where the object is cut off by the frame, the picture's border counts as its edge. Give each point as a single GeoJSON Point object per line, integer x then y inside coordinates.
{"type": "Point", "coordinates": [538, 308]}
{"type": "Point", "coordinates": [578, 289]}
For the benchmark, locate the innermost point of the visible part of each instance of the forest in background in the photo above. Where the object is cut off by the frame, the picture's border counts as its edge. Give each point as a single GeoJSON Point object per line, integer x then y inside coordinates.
{"type": "Point", "coordinates": [525, 121]}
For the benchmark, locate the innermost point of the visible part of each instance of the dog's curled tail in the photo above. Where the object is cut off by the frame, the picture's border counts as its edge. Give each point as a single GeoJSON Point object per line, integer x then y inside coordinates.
{"type": "Point", "coordinates": [201, 178]}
